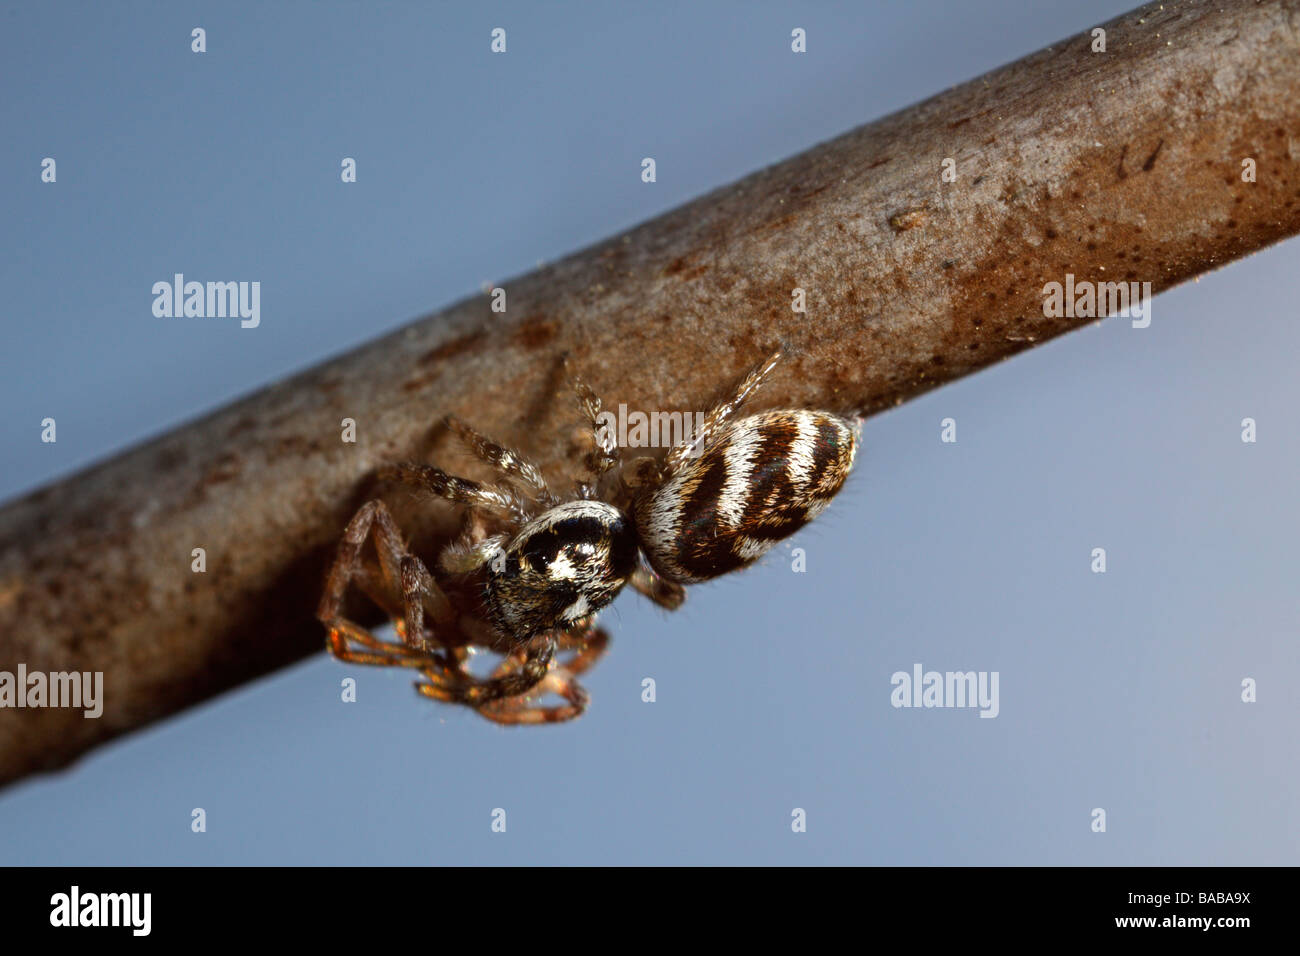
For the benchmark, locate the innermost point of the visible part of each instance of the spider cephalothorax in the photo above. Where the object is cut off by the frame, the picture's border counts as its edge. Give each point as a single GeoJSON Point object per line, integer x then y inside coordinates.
{"type": "Point", "coordinates": [561, 568]}
{"type": "Point", "coordinates": [530, 570]}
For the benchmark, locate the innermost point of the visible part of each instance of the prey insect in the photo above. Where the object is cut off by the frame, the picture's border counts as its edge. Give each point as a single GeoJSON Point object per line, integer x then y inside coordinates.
{"type": "Point", "coordinates": [531, 568]}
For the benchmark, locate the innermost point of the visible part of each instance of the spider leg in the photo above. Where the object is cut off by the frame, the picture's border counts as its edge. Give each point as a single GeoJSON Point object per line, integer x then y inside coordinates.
{"type": "Point", "coordinates": [419, 592]}
{"type": "Point", "coordinates": [381, 653]}
{"type": "Point", "coordinates": [370, 580]}
{"type": "Point", "coordinates": [462, 490]}
{"type": "Point", "coordinates": [514, 711]}
{"type": "Point", "coordinates": [347, 560]}
{"type": "Point", "coordinates": [719, 414]}
{"type": "Point", "coordinates": [396, 565]}
{"type": "Point", "coordinates": [590, 644]}
{"type": "Point", "coordinates": [667, 594]}
{"type": "Point", "coordinates": [464, 558]}
{"type": "Point", "coordinates": [523, 675]}
{"type": "Point", "coordinates": [604, 455]}
{"type": "Point", "coordinates": [505, 460]}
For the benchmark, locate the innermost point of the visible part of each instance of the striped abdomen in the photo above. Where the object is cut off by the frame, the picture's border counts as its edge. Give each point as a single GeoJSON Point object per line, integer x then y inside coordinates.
{"type": "Point", "coordinates": [759, 480]}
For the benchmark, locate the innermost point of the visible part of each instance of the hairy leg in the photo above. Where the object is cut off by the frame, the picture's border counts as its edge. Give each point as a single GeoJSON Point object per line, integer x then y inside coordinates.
{"type": "Point", "coordinates": [588, 644]}
{"type": "Point", "coordinates": [506, 460]}
{"type": "Point", "coordinates": [396, 565]}
{"type": "Point", "coordinates": [461, 490]}
{"type": "Point", "coordinates": [604, 454]}
{"type": "Point", "coordinates": [420, 592]}
{"type": "Point", "coordinates": [524, 674]}
{"type": "Point", "coordinates": [667, 594]}
{"type": "Point", "coordinates": [719, 414]}
{"type": "Point", "coordinates": [518, 710]}
{"type": "Point", "coordinates": [372, 516]}
{"type": "Point", "coordinates": [343, 633]}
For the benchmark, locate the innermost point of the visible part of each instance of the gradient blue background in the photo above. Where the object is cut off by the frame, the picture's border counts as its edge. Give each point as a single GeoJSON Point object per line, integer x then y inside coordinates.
{"type": "Point", "coordinates": [1118, 691]}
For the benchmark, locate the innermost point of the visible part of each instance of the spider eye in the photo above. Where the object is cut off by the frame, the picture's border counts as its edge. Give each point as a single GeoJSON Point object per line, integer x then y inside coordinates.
{"type": "Point", "coordinates": [563, 567]}
{"type": "Point", "coordinates": [585, 545]}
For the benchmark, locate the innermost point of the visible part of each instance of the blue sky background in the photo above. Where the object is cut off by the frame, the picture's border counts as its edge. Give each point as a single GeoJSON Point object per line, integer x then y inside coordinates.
{"type": "Point", "coordinates": [1119, 691]}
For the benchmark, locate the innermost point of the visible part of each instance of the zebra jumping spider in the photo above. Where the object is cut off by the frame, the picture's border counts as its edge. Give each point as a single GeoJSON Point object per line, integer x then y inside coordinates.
{"type": "Point", "coordinates": [530, 570]}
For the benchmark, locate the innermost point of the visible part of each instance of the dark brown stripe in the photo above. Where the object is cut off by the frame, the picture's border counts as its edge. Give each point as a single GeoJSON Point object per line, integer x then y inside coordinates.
{"type": "Point", "coordinates": [770, 485]}
{"type": "Point", "coordinates": [698, 518]}
{"type": "Point", "coordinates": [778, 523]}
{"type": "Point", "coordinates": [772, 461]}
{"type": "Point", "coordinates": [829, 448]}
{"type": "Point", "coordinates": [706, 558]}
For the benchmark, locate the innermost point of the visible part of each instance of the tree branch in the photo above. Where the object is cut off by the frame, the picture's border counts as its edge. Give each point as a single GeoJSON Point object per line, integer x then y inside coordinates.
{"type": "Point", "coordinates": [1124, 165]}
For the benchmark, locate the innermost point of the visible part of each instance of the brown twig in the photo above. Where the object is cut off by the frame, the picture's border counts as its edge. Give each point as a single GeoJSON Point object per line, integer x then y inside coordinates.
{"type": "Point", "coordinates": [1123, 165]}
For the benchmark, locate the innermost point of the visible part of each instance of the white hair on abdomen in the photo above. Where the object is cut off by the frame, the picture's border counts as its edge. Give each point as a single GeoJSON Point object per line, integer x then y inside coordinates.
{"type": "Point", "coordinates": [803, 449]}
{"type": "Point", "coordinates": [751, 549]}
{"type": "Point", "coordinates": [742, 447]}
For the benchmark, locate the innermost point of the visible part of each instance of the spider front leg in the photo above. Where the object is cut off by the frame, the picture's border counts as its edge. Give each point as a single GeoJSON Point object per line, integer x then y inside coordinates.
{"type": "Point", "coordinates": [380, 653]}
{"type": "Point", "coordinates": [419, 592]}
{"type": "Point", "coordinates": [394, 565]}
{"type": "Point", "coordinates": [418, 587]}
{"type": "Point", "coordinates": [526, 672]}
{"type": "Point", "coordinates": [589, 643]}
{"type": "Point", "coordinates": [497, 498]}
{"type": "Point", "coordinates": [505, 460]}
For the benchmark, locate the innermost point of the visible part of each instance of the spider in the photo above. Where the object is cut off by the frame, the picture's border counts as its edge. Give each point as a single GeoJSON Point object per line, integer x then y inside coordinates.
{"type": "Point", "coordinates": [529, 570]}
